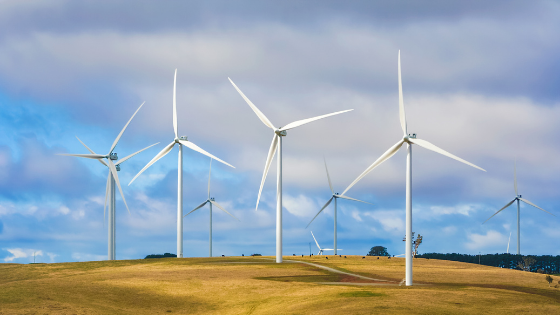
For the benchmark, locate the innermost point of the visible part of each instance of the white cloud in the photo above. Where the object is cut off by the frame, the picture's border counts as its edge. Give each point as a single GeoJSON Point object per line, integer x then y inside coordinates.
{"type": "Point", "coordinates": [88, 257]}
{"type": "Point", "coordinates": [390, 220]}
{"type": "Point", "coordinates": [300, 206]}
{"type": "Point", "coordinates": [479, 241]}
{"type": "Point", "coordinates": [18, 253]}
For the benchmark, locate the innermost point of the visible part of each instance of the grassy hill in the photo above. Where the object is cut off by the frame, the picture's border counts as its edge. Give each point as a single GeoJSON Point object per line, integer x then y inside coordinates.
{"type": "Point", "coordinates": [257, 285]}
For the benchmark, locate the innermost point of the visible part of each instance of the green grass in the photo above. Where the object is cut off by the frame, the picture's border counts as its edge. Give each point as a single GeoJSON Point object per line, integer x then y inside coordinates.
{"type": "Point", "coordinates": [251, 285]}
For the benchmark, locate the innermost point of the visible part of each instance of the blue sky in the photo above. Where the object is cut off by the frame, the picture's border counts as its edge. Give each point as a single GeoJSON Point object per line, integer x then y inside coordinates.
{"type": "Point", "coordinates": [479, 80]}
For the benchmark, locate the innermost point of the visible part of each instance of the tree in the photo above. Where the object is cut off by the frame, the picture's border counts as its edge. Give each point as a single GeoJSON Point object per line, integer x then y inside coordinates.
{"type": "Point", "coordinates": [415, 243]}
{"type": "Point", "coordinates": [548, 279]}
{"type": "Point", "coordinates": [526, 263]}
{"type": "Point", "coordinates": [378, 251]}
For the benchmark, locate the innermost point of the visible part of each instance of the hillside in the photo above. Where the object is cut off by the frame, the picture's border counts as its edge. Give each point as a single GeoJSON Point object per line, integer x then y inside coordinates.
{"type": "Point", "coordinates": [257, 285]}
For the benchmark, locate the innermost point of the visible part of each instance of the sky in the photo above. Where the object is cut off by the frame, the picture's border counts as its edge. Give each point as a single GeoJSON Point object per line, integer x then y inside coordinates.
{"type": "Point", "coordinates": [480, 80]}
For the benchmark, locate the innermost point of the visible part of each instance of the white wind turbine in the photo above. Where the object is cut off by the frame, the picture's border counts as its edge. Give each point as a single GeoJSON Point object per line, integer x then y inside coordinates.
{"type": "Point", "coordinates": [409, 139]}
{"type": "Point", "coordinates": [517, 198]}
{"type": "Point", "coordinates": [211, 201]}
{"type": "Point", "coordinates": [277, 145]}
{"type": "Point", "coordinates": [181, 141]}
{"type": "Point", "coordinates": [335, 196]}
{"type": "Point", "coordinates": [113, 177]}
{"type": "Point", "coordinates": [321, 250]}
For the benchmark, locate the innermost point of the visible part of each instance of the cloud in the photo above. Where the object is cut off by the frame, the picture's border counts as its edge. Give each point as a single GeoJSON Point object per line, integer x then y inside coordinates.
{"type": "Point", "coordinates": [481, 241]}
{"type": "Point", "coordinates": [300, 206]}
{"type": "Point", "coordinates": [18, 253]}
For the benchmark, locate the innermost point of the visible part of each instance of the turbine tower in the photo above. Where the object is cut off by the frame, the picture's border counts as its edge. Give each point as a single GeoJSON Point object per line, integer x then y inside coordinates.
{"type": "Point", "coordinates": [112, 178]}
{"type": "Point", "coordinates": [181, 141]}
{"type": "Point", "coordinates": [335, 196]}
{"type": "Point", "coordinates": [321, 250]}
{"type": "Point", "coordinates": [517, 198]}
{"type": "Point", "coordinates": [211, 201]}
{"type": "Point", "coordinates": [274, 146]}
{"type": "Point", "coordinates": [409, 139]}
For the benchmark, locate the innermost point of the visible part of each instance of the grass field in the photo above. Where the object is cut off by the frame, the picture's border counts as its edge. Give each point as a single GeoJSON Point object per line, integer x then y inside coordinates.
{"type": "Point", "coordinates": [257, 285]}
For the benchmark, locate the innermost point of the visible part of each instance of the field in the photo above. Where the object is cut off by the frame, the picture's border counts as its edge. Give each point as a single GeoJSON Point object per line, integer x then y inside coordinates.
{"type": "Point", "coordinates": [257, 285]}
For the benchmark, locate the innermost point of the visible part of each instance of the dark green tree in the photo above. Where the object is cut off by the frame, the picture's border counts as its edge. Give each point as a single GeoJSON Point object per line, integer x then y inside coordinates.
{"type": "Point", "coordinates": [378, 251]}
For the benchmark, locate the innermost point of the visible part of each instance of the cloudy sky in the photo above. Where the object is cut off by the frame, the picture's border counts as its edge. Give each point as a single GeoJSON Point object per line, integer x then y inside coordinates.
{"type": "Point", "coordinates": [480, 80]}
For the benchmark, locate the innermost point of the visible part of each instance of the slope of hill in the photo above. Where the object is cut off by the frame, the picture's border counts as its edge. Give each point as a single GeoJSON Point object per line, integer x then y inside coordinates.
{"type": "Point", "coordinates": [257, 285]}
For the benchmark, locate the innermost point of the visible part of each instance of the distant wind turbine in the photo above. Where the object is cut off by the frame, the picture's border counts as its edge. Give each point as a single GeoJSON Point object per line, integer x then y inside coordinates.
{"type": "Point", "coordinates": [409, 139]}
{"type": "Point", "coordinates": [113, 177]}
{"type": "Point", "coordinates": [211, 202]}
{"type": "Point", "coordinates": [321, 250]}
{"type": "Point", "coordinates": [517, 198]}
{"type": "Point", "coordinates": [181, 141]}
{"type": "Point", "coordinates": [334, 197]}
{"type": "Point", "coordinates": [277, 145]}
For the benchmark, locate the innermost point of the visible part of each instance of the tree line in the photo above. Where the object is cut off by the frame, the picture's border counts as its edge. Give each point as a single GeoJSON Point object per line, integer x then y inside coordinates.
{"type": "Point", "coordinates": [543, 264]}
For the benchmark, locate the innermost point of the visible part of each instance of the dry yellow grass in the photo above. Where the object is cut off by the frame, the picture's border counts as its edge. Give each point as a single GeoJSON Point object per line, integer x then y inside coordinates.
{"type": "Point", "coordinates": [251, 285]}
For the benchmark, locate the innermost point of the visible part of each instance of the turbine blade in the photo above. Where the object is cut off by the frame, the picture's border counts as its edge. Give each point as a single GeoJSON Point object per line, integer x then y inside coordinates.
{"type": "Point", "coordinates": [124, 128]}
{"type": "Point", "coordinates": [389, 153]}
{"type": "Point", "coordinates": [91, 151]}
{"type": "Point", "coordinates": [209, 174]}
{"type": "Point", "coordinates": [320, 249]}
{"type": "Point", "coordinates": [224, 210]}
{"type": "Point", "coordinates": [534, 205]}
{"type": "Point", "coordinates": [116, 177]}
{"type": "Point", "coordinates": [133, 154]}
{"type": "Point", "coordinates": [199, 206]}
{"type": "Point", "coordinates": [158, 156]}
{"type": "Point", "coordinates": [402, 115]}
{"type": "Point", "coordinates": [261, 116]}
{"type": "Point", "coordinates": [329, 178]}
{"type": "Point", "coordinates": [515, 177]}
{"type": "Point", "coordinates": [326, 205]}
{"type": "Point", "coordinates": [349, 198]}
{"type": "Point", "coordinates": [175, 105]}
{"type": "Point", "coordinates": [269, 158]}
{"type": "Point", "coordinates": [87, 156]}
{"type": "Point", "coordinates": [196, 148]}
{"type": "Point", "coordinates": [308, 120]}
{"type": "Point", "coordinates": [425, 144]}
{"type": "Point", "coordinates": [509, 204]}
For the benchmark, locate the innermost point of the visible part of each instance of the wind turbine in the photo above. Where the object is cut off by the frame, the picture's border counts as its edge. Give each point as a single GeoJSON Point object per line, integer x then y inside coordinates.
{"type": "Point", "coordinates": [321, 250]}
{"type": "Point", "coordinates": [274, 146]}
{"type": "Point", "coordinates": [181, 141]}
{"type": "Point", "coordinates": [334, 197]}
{"type": "Point", "coordinates": [409, 139]}
{"type": "Point", "coordinates": [112, 178]}
{"type": "Point", "coordinates": [517, 198]}
{"type": "Point", "coordinates": [211, 202]}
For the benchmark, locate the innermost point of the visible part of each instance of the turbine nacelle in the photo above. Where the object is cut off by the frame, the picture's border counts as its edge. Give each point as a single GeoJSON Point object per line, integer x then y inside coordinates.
{"type": "Point", "coordinates": [113, 156]}
{"type": "Point", "coordinates": [181, 138]}
{"type": "Point", "coordinates": [281, 133]}
{"type": "Point", "coordinates": [410, 136]}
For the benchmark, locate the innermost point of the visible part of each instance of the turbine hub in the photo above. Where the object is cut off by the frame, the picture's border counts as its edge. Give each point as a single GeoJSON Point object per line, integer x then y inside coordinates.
{"type": "Point", "coordinates": [113, 156]}
{"type": "Point", "coordinates": [281, 133]}
{"type": "Point", "coordinates": [409, 136]}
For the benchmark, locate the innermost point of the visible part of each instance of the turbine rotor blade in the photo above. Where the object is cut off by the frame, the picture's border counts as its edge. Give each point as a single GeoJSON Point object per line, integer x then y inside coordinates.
{"type": "Point", "coordinates": [133, 154]}
{"type": "Point", "coordinates": [515, 177]}
{"type": "Point", "coordinates": [87, 156]}
{"type": "Point", "coordinates": [389, 153]}
{"type": "Point", "coordinates": [269, 158]}
{"type": "Point", "coordinates": [320, 249]}
{"type": "Point", "coordinates": [196, 148]}
{"type": "Point", "coordinates": [175, 105]}
{"type": "Point", "coordinates": [91, 151]}
{"type": "Point", "coordinates": [427, 145]}
{"type": "Point", "coordinates": [329, 178]}
{"type": "Point", "coordinates": [199, 206]}
{"type": "Point", "coordinates": [261, 116]}
{"type": "Point", "coordinates": [124, 128]}
{"type": "Point", "coordinates": [509, 204]}
{"type": "Point", "coordinates": [326, 205]}
{"type": "Point", "coordinates": [116, 177]}
{"type": "Point", "coordinates": [224, 210]}
{"type": "Point", "coordinates": [402, 115]}
{"type": "Point", "coordinates": [349, 198]}
{"type": "Point", "coordinates": [534, 205]}
{"type": "Point", "coordinates": [209, 174]}
{"type": "Point", "coordinates": [308, 120]}
{"type": "Point", "coordinates": [158, 156]}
